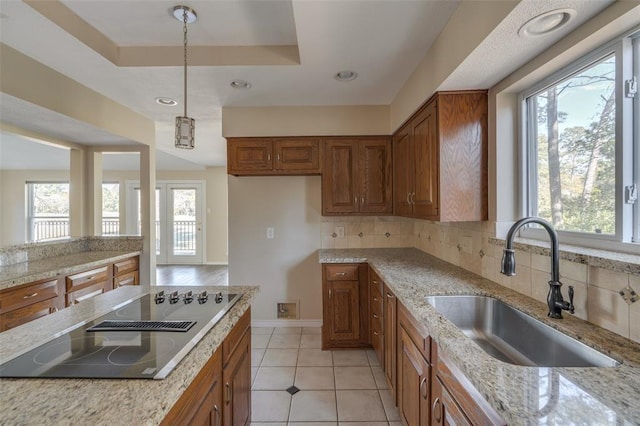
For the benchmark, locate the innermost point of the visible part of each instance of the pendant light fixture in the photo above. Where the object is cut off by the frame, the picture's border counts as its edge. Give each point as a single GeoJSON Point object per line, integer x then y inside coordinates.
{"type": "Point", "coordinates": [185, 126]}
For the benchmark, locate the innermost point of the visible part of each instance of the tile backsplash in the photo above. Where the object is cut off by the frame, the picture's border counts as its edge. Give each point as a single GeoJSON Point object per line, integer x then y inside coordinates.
{"type": "Point", "coordinates": [597, 298]}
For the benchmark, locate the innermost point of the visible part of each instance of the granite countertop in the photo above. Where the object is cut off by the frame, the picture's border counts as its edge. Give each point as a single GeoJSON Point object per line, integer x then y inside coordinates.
{"type": "Point", "coordinates": [103, 401]}
{"type": "Point", "coordinates": [26, 272]}
{"type": "Point", "coordinates": [521, 395]}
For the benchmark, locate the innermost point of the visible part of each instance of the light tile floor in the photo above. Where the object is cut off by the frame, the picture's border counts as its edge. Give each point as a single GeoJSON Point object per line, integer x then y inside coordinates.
{"type": "Point", "coordinates": [337, 388]}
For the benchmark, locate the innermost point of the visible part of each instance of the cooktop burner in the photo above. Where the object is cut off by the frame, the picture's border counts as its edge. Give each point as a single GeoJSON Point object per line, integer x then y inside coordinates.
{"type": "Point", "coordinates": [118, 353]}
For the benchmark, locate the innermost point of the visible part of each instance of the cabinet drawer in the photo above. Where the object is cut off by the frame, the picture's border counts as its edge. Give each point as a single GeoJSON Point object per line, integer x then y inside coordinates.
{"type": "Point", "coordinates": [125, 266]}
{"type": "Point", "coordinates": [375, 281]}
{"type": "Point", "coordinates": [235, 337]}
{"type": "Point", "coordinates": [87, 292]}
{"type": "Point", "coordinates": [341, 272]}
{"type": "Point", "coordinates": [126, 279]}
{"type": "Point", "coordinates": [18, 297]}
{"type": "Point", "coordinates": [84, 279]}
{"type": "Point", "coordinates": [27, 313]}
{"type": "Point", "coordinates": [376, 301]}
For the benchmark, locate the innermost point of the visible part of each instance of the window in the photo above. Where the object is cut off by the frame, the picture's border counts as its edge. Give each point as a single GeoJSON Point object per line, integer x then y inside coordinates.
{"type": "Point", "coordinates": [110, 208]}
{"type": "Point", "coordinates": [47, 210]}
{"type": "Point", "coordinates": [578, 147]}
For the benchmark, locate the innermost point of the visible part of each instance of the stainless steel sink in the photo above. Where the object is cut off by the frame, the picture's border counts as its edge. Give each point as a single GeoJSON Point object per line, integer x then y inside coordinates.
{"type": "Point", "coordinates": [514, 337]}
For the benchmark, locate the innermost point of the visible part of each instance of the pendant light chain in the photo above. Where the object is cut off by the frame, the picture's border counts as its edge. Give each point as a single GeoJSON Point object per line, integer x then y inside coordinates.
{"type": "Point", "coordinates": [184, 18]}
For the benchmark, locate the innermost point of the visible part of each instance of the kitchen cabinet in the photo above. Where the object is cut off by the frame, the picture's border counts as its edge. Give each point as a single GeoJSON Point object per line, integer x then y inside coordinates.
{"type": "Point", "coordinates": [85, 285]}
{"type": "Point", "coordinates": [357, 176]}
{"type": "Point", "coordinates": [390, 339]}
{"type": "Point", "coordinates": [345, 306]}
{"type": "Point", "coordinates": [413, 369]}
{"type": "Point", "coordinates": [376, 325]}
{"type": "Point", "coordinates": [454, 400]}
{"type": "Point", "coordinates": [273, 156]}
{"type": "Point", "coordinates": [126, 272]}
{"type": "Point", "coordinates": [201, 403]}
{"type": "Point", "coordinates": [19, 305]}
{"type": "Point", "coordinates": [440, 159]}
{"type": "Point", "coordinates": [236, 374]}
{"type": "Point", "coordinates": [30, 301]}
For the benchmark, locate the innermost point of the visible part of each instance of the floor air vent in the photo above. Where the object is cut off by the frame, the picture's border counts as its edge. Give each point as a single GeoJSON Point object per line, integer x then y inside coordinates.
{"type": "Point", "coordinates": [124, 325]}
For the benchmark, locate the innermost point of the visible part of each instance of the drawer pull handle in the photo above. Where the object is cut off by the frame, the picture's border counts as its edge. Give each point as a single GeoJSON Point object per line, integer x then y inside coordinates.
{"type": "Point", "coordinates": [91, 277]}
{"type": "Point", "coordinates": [375, 282]}
{"type": "Point", "coordinates": [53, 309]}
{"type": "Point", "coordinates": [228, 393]}
{"type": "Point", "coordinates": [329, 294]}
{"type": "Point", "coordinates": [375, 315]}
{"type": "Point", "coordinates": [375, 333]}
{"type": "Point", "coordinates": [390, 296]}
{"type": "Point", "coordinates": [437, 415]}
{"type": "Point", "coordinates": [29, 296]}
{"type": "Point", "coordinates": [375, 299]}
{"type": "Point", "coordinates": [423, 388]}
{"type": "Point", "coordinates": [341, 274]}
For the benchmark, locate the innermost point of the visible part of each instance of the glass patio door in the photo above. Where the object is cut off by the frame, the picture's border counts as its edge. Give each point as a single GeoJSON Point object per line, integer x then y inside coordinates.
{"type": "Point", "coordinates": [178, 220]}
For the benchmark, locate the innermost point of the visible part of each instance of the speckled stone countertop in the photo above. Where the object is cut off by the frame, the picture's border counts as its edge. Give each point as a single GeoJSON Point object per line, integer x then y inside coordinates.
{"type": "Point", "coordinates": [25, 272]}
{"type": "Point", "coordinates": [521, 395]}
{"type": "Point", "coordinates": [103, 401]}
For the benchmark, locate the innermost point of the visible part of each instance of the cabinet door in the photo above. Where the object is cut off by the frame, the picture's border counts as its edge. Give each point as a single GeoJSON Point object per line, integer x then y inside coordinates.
{"type": "Point", "coordinates": [445, 410]}
{"type": "Point", "coordinates": [341, 321]}
{"type": "Point", "coordinates": [413, 383]}
{"type": "Point", "coordinates": [425, 144]}
{"type": "Point", "coordinates": [77, 296]}
{"type": "Point", "coordinates": [297, 156]}
{"type": "Point", "coordinates": [402, 172]}
{"type": "Point", "coordinates": [390, 338]}
{"type": "Point", "coordinates": [250, 156]}
{"type": "Point", "coordinates": [28, 313]}
{"type": "Point", "coordinates": [201, 403]}
{"type": "Point", "coordinates": [237, 384]}
{"type": "Point", "coordinates": [375, 176]}
{"type": "Point", "coordinates": [339, 177]}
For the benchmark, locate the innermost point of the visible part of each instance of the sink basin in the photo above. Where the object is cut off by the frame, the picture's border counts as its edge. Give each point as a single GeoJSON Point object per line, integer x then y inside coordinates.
{"type": "Point", "coordinates": [514, 337]}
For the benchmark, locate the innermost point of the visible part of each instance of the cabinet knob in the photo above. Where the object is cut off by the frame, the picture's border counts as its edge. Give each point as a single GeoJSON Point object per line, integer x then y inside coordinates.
{"type": "Point", "coordinates": [437, 414]}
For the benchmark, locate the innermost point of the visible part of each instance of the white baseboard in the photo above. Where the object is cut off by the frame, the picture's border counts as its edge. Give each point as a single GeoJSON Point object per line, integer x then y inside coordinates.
{"type": "Point", "coordinates": [286, 323]}
{"type": "Point", "coordinates": [217, 263]}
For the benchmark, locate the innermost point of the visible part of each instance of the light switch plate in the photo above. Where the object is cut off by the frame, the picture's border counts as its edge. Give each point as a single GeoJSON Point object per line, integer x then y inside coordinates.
{"type": "Point", "coordinates": [270, 233]}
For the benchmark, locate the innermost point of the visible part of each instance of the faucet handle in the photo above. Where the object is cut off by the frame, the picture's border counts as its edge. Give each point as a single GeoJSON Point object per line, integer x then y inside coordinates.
{"type": "Point", "coordinates": [572, 308]}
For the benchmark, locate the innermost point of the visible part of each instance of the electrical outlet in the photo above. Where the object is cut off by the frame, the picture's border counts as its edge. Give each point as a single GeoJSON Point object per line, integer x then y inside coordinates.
{"type": "Point", "coordinates": [270, 233]}
{"type": "Point", "coordinates": [339, 231]}
{"type": "Point", "coordinates": [467, 244]}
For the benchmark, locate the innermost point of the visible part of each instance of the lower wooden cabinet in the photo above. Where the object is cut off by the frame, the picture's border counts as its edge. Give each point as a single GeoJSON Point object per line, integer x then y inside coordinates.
{"type": "Point", "coordinates": [345, 306]}
{"type": "Point", "coordinates": [19, 305]}
{"type": "Point", "coordinates": [376, 325]}
{"type": "Point", "coordinates": [414, 375]}
{"type": "Point", "coordinates": [221, 392]}
{"type": "Point", "coordinates": [201, 403]}
{"type": "Point", "coordinates": [445, 410]}
{"type": "Point", "coordinates": [236, 374]}
{"type": "Point", "coordinates": [390, 339]}
{"type": "Point", "coordinates": [27, 302]}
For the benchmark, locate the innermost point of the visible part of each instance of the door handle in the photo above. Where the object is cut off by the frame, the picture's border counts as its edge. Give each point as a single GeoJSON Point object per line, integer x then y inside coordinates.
{"type": "Point", "coordinates": [437, 415]}
{"type": "Point", "coordinates": [329, 294]}
{"type": "Point", "coordinates": [229, 391]}
{"type": "Point", "coordinates": [424, 393]}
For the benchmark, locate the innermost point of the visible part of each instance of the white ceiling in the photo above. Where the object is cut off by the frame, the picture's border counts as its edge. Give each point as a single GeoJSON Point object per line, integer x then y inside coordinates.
{"type": "Point", "coordinates": [382, 40]}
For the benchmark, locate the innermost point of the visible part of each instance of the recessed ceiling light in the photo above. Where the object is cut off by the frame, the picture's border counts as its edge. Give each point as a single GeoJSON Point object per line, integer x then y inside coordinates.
{"type": "Point", "coordinates": [546, 23]}
{"type": "Point", "coordinates": [166, 101]}
{"type": "Point", "coordinates": [240, 84]}
{"type": "Point", "coordinates": [346, 75]}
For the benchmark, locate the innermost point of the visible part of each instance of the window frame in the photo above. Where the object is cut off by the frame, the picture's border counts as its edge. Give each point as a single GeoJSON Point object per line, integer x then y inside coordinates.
{"type": "Point", "coordinates": [627, 226]}
{"type": "Point", "coordinates": [30, 213]}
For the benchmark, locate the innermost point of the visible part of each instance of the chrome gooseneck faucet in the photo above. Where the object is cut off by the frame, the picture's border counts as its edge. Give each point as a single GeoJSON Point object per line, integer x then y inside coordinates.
{"type": "Point", "coordinates": [554, 299]}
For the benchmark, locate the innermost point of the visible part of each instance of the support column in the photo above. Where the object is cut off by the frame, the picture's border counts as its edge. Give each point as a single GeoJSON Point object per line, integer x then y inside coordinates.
{"type": "Point", "coordinates": [76, 192]}
{"type": "Point", "coordinates": [148, 215]}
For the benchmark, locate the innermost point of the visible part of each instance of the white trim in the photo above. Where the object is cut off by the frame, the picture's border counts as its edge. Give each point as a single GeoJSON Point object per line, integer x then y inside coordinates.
{"type": "Point", "coordinates": [286, 323]}
{"type": "Point", "coordinates": [217, 263]}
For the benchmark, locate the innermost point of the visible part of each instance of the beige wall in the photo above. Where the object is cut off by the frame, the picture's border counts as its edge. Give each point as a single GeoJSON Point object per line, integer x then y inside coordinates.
{"type": "Point", "coordinates": [286, 268]}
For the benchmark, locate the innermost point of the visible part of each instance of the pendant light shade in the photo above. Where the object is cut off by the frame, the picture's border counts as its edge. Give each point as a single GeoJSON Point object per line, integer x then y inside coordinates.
{"type": "Point", "coordinates": [185, 126]}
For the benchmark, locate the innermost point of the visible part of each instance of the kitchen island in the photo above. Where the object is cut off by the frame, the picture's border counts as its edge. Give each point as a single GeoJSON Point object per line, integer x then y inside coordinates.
{"type": "Point", "coordinates": [519, 395]}
{"type": "Point", "coordinates": [104, 401]}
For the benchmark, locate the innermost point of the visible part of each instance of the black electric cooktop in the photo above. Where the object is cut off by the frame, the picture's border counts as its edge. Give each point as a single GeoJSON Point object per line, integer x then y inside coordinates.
{"type": "Point", "coordinates": [142, 339]}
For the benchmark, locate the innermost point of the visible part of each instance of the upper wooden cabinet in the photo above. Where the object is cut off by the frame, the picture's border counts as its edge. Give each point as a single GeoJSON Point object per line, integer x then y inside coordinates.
{"type": "Point", "coordinates": [273, 156]}
{"type": "Point", "coordinates": [440, 159]}
{"type": "Point", "coordinates": [356, 176]}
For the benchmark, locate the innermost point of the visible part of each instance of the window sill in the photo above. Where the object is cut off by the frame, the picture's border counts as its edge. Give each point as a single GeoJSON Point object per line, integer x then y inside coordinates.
{"type": "Point", "coordinates": [611, 260]}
